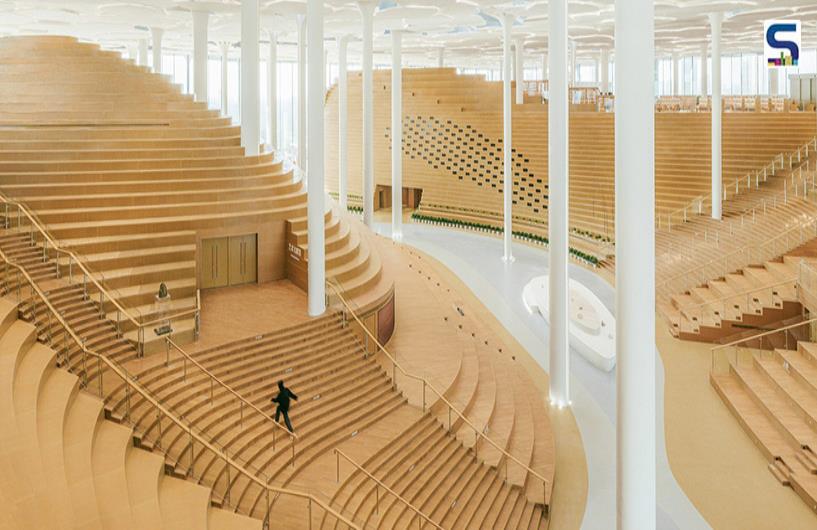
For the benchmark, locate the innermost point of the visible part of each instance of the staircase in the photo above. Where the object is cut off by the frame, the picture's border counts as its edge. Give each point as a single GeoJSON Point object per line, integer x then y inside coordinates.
{"type": "Point", "coordinates": [753, 298]}
{"type": "Point", "coordinates": [774, 397]}
{"type": "Point", "coordinates": [66, 466]}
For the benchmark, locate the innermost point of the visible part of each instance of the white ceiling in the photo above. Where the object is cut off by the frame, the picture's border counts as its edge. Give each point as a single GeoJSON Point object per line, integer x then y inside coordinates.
{"type": "Point", "coordinates": [467, 29]}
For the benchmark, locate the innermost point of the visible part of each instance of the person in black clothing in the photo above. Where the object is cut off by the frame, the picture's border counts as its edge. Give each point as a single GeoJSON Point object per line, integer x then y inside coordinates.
{"type": "Point", "coordinates": [283, 397]}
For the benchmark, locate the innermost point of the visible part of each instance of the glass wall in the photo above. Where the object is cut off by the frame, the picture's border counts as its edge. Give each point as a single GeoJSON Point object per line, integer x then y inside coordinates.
{"type": "Point", "coordinates": [741, 74]}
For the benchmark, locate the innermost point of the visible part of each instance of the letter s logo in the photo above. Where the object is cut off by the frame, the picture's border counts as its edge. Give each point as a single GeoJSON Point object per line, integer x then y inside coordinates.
{"type": "Point", "coordinates": [773, 42]}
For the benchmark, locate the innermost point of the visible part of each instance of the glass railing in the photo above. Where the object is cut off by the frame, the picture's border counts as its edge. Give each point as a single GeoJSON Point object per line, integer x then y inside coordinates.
{"type": "Point", "coordinates": [744, 351]}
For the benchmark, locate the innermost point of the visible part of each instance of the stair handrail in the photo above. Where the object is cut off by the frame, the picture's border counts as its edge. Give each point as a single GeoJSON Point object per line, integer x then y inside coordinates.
{"type": "Point", "coordinates": [721, 300]}
{"type": "Point", "coordinates": [758, 337]}
{"type": "Point", "coordinates": [696, 205]}
{"type": "Point", "coordinates": [132, 383]}
{"type": "Point", "coordinates": [745, 250]}
{"type": "Point", "coordinates": [451, 407]}
{"type": "Point", "coordinates": [171, 344]}
{"type": "Point", "coordinates": [339, 453]}
{"type": "Point", "coordinates": [88, 274]}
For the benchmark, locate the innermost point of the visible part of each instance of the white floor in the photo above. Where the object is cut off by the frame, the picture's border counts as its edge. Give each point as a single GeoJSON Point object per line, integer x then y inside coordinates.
{"type": "Point", "coordinates": [476, 259]}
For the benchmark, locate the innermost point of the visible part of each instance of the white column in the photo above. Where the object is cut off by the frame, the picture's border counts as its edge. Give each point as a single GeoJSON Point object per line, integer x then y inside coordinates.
{"type": "Point", "coordinates": [200, 55]}
{"type": "Point", "coordinates": [316, 265]}
{"type": "Point", "coordinates": [507, 139]}
{"type": "Point", "coordinates": [143, 52]}
{"type": "Point", "coordinates": [133, 54]}
{"type": "Point", "coordinates": [396, 136]}
{"type": "Point", "coordinates": [544, 66]}
{"type": "Point", "coordinates": [250, 85]}
{"type": "Point", "coordinates": [715, 20]}
{"type": "Point", "coordinates": [635, 265]}
{"type": "Point", "coordinates": [574, 75]}
{"type": "Point", "coordinates": [774, 81]}
{"type": "Point", "coordinates": [156, 38]}
{"type": "Point", "coordinates": [558, 171]}
{"type": "Point", "coordinates": [520, 71]}
{"type": "Point", "coordinates": [272, 91]}
{"type": "Point", "coordinates": [302, 160]}
{"type": "Point", "coordinates": [343, 113]}
{"type": "Point", "coordinates": [704, 71]}
{"type": "Point", "coordinates": [676, 79]}
{"type": "Point", "coordinates": [604, 79]}
{"type": "Point", "coordinates": [440, 57]}
{"type": "Point", "coordinates": [367, 13]}
{"type": "Point", "coordinates": [225, 58]}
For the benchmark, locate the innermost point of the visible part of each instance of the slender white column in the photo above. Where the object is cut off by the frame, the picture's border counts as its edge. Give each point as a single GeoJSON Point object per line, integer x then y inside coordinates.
{"type": "Point", "coordinates": [133, 54]}
{"type": "Point", "coordinates": [367, 14]}
{"type": "Point", "coordinates": [143, 52]}
{"type": "Point", "coordinates": [250, 85]}
{"type": "Point", "coordinates": [225, 61]}
{"type": "Point", "coordinates": [343, 113]}
{"type": "Point", "coordinates": [704, 71]}
{"type": "Point", "coordinates": [441, 57]}
{"type": "Point", "coordinates": [316, 266]}
{"type": "Point", "coordinates": [272, 91]}
{"type": "Point", "coordinates": [396, 136]}
{"type": "Point", "coordinates": [156, 38]}
{"type": "Point", "coordinates": [774, 82]}
{"type": "Point", "coordinates": [200, 19]}
{"type": "Point", "coordinates": [559, 171]}
{"type": "Point", "coordinates": [520, 71]}
{"type": "Point", "coordinates": [635, 265]}
{"type": "Point", "coordinates": [302, 149]}
{"type": "Point", "coordinates": [676, 78]}
{"type": "Point", "coordinates": [604, 79]}
{"type": "Point", "coordinates": [507, 139]}
{"type": "Point", "coordinates": [715, 20]}
{"type": "Point", "coordinates": [574, 75]}
{"type": "Point", "coordinates": [544, 66]}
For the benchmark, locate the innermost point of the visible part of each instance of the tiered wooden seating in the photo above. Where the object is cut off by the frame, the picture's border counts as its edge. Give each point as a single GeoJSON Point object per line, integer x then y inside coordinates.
{"type": "Point", "coordinates": [66, 466]}
{"type": "Point", "coordinates": [452, 121]}
{"type": "Point", "coordinates": [754, 297]}
{"type": "Point", "coordinates": [131, 174]}
{"type": "Point", "coordinates": [690, 254]}
{"type": "Point", "coordinates": [321, 360]}
{"type": "Point", "coordinates": [774, 397]}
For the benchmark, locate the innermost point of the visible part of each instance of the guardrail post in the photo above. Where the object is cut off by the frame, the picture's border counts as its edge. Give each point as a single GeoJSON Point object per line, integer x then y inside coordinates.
{"type": "Point", "coordinates": [84, 286]}
{"type": "Point", "coordinates": [337, 467]}
{"type": "Point", "coordinates": [127, 402]}
{"type": "Point", "coordinates": [192, 454]}
{"type": "Point", "coordinates": [229, 482]}
{"type": "Point", "coordinates": [424, 395]}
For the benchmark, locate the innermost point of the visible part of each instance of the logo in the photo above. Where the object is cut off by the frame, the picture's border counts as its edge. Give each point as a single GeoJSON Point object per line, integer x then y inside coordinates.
{"type": "Point", "coordinates": [782, 42]}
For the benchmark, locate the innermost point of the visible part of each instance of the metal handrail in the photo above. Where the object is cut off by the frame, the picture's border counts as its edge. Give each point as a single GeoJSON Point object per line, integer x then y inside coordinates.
{"type": "Point", "coordinates": [133, 385]}
{"type": "Point", "coordinates": [214, 378]}
{"type": "Point", "coordinates": [697, 203]}
{"type": "Point", "coordinates": [741, 250]}
{"type": "Point", "coordinates": [740, 294]}
{"type": "Point", "coordinates": [104, 292]}
{"type": "Point", "coordinates": [378, 482]}
{"type": "Point", "coordinates": [713, 351]}
{"type": "Point", "coordinates": [440, 395]}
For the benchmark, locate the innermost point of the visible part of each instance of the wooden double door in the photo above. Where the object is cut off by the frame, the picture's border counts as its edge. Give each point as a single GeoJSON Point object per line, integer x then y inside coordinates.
{"type": "Point", "coordinates": [229, 261]}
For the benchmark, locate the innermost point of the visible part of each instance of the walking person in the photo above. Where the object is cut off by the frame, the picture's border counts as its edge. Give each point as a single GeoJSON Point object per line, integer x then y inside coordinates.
{"type": "Point", "coordinates": [283, 397]}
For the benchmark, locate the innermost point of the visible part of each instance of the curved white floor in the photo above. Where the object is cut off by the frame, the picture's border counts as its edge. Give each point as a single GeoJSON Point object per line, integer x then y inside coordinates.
{"type": "Point", "coordinates": [476, 260]}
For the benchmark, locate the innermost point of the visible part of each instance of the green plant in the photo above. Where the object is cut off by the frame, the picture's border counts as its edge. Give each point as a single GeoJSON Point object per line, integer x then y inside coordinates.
{"type": "Point", "coordinates": [526, 236]}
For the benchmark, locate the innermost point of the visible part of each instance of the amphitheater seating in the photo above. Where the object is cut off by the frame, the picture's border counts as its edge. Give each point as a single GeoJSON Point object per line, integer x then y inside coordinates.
{"type": "Point", "coordinates": [66, 466]}
{"type": "Point", "coordinates": [774, 397]}
{"type": "Point", "coordinates": [453, 151]}
{"type": "Point", "coordinates": [703, 256]}
{"type": "Point", "coordinates": [136, 174]}
{"type": "Point", "coordinates": [754, 297]}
